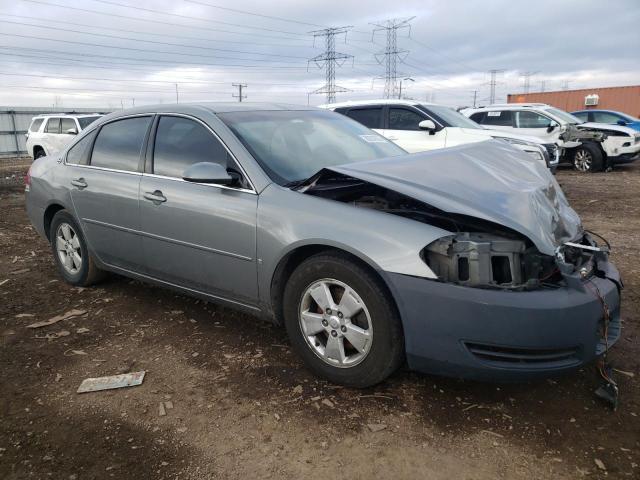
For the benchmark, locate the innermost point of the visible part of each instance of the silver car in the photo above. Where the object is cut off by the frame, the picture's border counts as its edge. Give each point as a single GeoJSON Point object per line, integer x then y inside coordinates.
{"type": "Point", "coordinates": [466, 261]}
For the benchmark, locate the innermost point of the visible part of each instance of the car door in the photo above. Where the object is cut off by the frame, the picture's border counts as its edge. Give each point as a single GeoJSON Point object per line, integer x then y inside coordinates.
{"type": "Point", "coordinates": [369, 116]}
{"type": "Point", "coordinates": [50, 141]}
{"type": "Point", "coordinates": [105, 190]}
{"type": "Point", "coordinates": [199, 236]}
{"type": "Point", "coordinates": [402, 129]}
{"type": "Point", "coordinates": [535, 124]}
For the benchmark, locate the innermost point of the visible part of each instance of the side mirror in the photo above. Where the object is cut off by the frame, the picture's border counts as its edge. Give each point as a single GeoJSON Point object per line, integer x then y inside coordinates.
{"type": "Point", "coordinates": [552, 126]}
{"type": "Point", "coordinates": [207, 172]}
{"type": "Point", "coordinates": [427, 125]}
{"type": "Point", "coordinates": [72, 131]}
{"type": "Point", "coordinates": [622, 123]}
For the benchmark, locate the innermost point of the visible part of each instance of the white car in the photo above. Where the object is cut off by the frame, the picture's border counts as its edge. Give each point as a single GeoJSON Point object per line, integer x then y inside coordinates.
{"type": "Point", "coordinates": [588, 146]}
{"type": "Point", "coordinates": [417, 127]}
{"type": "Point", "coordinates": [50, 134]}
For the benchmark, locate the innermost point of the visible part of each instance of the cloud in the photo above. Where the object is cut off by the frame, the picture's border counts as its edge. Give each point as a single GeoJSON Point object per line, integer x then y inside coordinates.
{"type": "Point", "coordinates": [58, 51]}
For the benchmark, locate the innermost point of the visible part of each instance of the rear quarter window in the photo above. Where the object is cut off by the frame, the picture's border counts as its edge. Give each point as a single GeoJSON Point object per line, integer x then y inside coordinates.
{"type": "Point", "coordinates": [35, 124]}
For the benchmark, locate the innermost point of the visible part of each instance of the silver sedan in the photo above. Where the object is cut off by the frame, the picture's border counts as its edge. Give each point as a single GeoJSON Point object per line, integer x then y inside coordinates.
{"type": "Point", "coordinates": [466, 261]}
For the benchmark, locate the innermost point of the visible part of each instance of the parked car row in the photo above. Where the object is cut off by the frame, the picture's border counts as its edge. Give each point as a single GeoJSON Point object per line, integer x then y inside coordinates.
{"type": "Point", "coordinates": [464, 261]}
{"type": "Point", "coordinates": [418, 127]}
{"type": "Point", "coordinates": [589, 146]}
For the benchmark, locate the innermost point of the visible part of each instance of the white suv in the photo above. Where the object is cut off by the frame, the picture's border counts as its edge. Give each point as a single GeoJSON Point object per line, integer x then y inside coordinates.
{"type": "Point", "coordinates": [49, 134]}
{"type": "Point", "coordinates": [417, 127]}
{"type": "Point", "coordinates": [588, 146]}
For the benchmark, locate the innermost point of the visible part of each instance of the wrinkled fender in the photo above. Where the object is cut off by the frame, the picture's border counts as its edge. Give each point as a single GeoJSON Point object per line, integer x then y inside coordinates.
{"type": "Point", "coordinates": [387, 243]}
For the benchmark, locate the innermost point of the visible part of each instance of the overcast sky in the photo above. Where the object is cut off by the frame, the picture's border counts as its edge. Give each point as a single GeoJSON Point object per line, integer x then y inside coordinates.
{"type": "Point", "coordinates": [112, 53]}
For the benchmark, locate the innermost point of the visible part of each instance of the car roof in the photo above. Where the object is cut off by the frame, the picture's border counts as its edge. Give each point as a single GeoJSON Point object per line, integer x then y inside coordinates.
{"type": "Point", "coordinates": [70, 115]}
{"type": "Point", "coordinates": [382, 101]}
{"type": "Point", "coordinates": [511, 106]}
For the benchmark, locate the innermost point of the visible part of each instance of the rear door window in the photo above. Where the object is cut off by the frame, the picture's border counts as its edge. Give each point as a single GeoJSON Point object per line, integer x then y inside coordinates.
{"type": "Point", "coordinates": [497, 118]}
{"type": "Point", "coordinates": [68, 124]}
{"type": "Point", "coordinates": [404, 119]}
{"type": "Point", "coordinates": [119, 144]}
{"type": "Point", "coordinates": [605, 117]}
{"type": "Point", "coordinates": [35, 125]}
{"type": "Point", "coordinates": [53, 125]}
{"type": "Point", "coordinates": [528, 119]}
{"type": "Point", "coordinates": [180, 142]}
{"type": "Point", "coordinates": [369, 117]}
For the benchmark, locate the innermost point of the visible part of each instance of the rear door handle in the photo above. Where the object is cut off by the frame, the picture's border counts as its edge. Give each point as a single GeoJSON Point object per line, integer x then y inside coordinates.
{"type": "Point", "coordinates": [156, 197]}
{"type": "Point", "coordinates": [79, 183]}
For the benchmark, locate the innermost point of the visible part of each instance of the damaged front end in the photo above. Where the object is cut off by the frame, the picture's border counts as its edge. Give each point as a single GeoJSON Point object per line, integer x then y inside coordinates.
{"type": "Point", "coordinates": [514, 286]}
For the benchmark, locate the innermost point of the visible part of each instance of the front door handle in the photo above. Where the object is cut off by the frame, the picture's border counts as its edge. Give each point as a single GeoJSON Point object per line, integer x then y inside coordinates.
{"type": "Point", "coordinates": [79, 183]}
{"type": "Point", "coordinates": [156, 197]}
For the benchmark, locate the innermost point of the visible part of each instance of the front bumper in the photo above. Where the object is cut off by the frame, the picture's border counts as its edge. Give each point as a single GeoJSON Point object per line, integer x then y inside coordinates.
{"type": "Point", "coordinates": [497, 335]}
{"type": "Point", "coordinates": [625, 158]}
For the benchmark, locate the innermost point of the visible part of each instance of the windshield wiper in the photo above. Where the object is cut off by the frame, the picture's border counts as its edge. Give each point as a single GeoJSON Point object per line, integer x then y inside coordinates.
{"type": "Point", "coordinates": [295, 184]}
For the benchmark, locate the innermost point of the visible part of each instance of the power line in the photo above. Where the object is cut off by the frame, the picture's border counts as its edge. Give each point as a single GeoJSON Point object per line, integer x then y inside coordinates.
{"type": "Point", "coordinates": [155, 42]}
{"type": "Point", "coordinates": [240, 86]}
{"type": "Point", "coordinates": [101, 45]}
{"type": "Point", "coordinates": [159, 22]}
{"type": "Point", "coordinates": [156, 61]}
{"type": "Point", "coordinates": [188, 17]}
{"type": "Point", "coordinates": [329, 59]}
{"type": "Point", "coordinates": [244, 12]}
{"type": "Point", "coordinates": [137, 32]}
{"type": "Point", "coordinates": [390, 56]}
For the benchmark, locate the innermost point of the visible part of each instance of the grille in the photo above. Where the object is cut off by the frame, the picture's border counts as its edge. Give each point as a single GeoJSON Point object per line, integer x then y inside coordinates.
{"type": "Point", "coordinates": [511, 357]}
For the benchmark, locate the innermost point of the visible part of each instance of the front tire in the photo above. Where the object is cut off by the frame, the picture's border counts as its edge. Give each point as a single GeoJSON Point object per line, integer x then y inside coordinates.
{"type": "Point", "coordinates": [70, 252]}
{"type": "Point", "coordinates": [341, 320]}
{"type": "Point", "coordinates": [588, 158]}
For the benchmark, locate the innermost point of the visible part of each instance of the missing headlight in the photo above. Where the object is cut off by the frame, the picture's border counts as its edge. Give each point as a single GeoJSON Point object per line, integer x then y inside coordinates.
{"type": "Point", "coordinates": [485, 260]}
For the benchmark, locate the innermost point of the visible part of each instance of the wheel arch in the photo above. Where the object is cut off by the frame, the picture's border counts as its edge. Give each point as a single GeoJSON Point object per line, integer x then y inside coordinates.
{"type": "Point", "coordinates": [49, 213]}
{"type": "Point", "coordinates": [296, 255]}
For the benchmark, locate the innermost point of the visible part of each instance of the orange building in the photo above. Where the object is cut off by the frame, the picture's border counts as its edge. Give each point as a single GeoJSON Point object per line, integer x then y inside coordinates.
{"type": "Point", "coordinates": [621, 99]}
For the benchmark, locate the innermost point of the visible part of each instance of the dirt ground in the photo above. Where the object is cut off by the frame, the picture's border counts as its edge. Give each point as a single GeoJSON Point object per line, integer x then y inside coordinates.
{"type": "Point", "coordinates": [243, 406]}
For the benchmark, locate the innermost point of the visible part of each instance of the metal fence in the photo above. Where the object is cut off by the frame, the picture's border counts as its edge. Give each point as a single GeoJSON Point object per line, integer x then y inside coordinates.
{"type": "Point", "coordinates": [15, 121]}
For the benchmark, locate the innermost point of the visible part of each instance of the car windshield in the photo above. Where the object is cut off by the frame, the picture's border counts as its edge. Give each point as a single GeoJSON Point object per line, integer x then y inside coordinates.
{"type": "Point", "coordinates": [293, 145]}
{"type": "Point", "coordinates": [86, 121]}
{"type": "Point", "coordinates": [449, 117]}
{"type": "Point", "coordinates": [566, 117]}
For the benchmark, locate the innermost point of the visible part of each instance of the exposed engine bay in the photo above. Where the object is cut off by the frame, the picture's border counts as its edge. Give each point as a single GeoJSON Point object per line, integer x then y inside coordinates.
{"type": "Point", "coordinates": [478, 253]}
{"type": "Point", "coordinates": [574, 133]}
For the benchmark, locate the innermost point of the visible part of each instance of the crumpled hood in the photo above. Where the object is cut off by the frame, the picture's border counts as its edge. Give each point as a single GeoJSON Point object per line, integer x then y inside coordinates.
{"type": "Point", "coordinates": [487, 180]}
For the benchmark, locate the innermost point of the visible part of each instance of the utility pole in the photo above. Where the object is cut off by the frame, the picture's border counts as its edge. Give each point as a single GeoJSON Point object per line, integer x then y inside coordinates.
{"type": "Point", "coordinates": [240, 86]}
{"type": "Point", "coordinates": [177, 95]}
{"type": "Point", "coordinates": [543, 85]}
{"type": "Point", "coordinates": [527, 80]}
{"type": "Point", "coordinates": [133, 102]}
{"type": "Point", "coordinates": [390, 55]}
{"type": "Point", "coordinates": [565, 84]}
{"type": "Point", "coordinates": [401, 80]}
{"type": "Point", "coordinates": [329, 59]}
{"type": "Point", "coordinates": [492, 85]}
{"type": "Point", "coordinates": [475, 97]}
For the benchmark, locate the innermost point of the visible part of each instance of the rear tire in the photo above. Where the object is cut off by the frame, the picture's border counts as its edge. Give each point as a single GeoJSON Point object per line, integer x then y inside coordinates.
{"type": "Point", "coordinates": [588, 158]}
{"type": "Point", "coordinates": [70, 252]}
{"type": "Point", "coordinates": [353, 340]}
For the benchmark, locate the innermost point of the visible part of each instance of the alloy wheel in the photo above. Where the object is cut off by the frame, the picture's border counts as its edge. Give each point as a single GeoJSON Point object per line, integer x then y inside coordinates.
{"type": "Point", "coordinates": [335, 323]}
{"type": "Point", "coordinates": [68, 247]}
{"type": "Point", "coordinates": [582, 160]}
